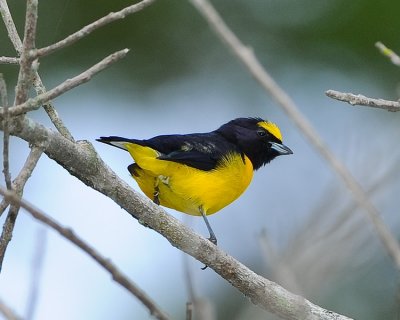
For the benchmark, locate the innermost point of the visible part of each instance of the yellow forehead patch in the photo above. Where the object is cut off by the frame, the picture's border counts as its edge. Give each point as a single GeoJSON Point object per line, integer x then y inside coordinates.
{"type": "Point", "coordinates": [272, 128]}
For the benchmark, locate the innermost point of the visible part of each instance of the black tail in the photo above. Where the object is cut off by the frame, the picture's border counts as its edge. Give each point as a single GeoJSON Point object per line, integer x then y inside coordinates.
{"type": "Point", "coordinates": [115, 141]}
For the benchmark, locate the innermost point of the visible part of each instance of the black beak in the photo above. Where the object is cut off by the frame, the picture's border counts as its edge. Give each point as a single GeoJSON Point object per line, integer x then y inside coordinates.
{"type": "Point", "coordinates": [281, 148]}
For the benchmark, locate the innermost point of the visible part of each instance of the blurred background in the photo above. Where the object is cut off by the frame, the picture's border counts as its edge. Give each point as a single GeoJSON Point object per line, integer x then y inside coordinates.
{"type": "Point", "coordinates": [296, 224]}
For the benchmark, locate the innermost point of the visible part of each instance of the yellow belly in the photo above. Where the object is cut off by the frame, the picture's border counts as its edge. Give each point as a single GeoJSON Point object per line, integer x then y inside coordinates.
{"type": "Point", "coordinates": [184, 188]}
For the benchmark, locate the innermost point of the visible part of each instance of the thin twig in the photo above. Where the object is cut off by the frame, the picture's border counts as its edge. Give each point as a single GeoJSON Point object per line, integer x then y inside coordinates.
{"type": "Point", "coordinates": [39, 87]}
{"type": "Point", "coordinates": [197, 308]}
{"type": "Point", "coordinates": [10, 26]}
{"type": "Point", "coordinates": [361, 100]}
{"type": "Point", "coordinates": [394, 58]}
{"type": "Point", "coordinates": [37, 270]}
{"type": "Point", "coordinates": [36, 102]}
{"type": "Point", "coordinates": [70, 235]}
{"type": "Point", "coordinates": [9, 60]}
{"type": "Point", "coordinates": [249, 60]}
{"type": "Point", "coordinates": [25, 76]}
{"type": "Point", "coordinates": [6, 132]}
{"type": "Point", "coordinates": [8, 228]}
{"type": "Point", "coordinates": [7, 312]}
{"type": "Point", "coordinates": [111, 17]}
{"type": "Point", "coordinates": [19, 182]}
{"type": "Point", "coordinates": [50, 110]}
{"type": "Point", "coordinates": [282, 272]}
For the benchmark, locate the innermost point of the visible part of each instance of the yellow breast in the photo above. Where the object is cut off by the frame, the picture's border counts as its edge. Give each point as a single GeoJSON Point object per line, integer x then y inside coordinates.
{"type": "Point", "coordinates": [184, 188]}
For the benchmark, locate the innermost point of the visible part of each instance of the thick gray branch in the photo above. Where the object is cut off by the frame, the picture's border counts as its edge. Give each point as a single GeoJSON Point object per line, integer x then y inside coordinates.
{"type": "Point", "coordinates": [82, 161]}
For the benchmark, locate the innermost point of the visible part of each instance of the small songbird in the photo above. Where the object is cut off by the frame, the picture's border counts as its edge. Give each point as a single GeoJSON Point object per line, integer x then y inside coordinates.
{"type": "Point", "coordinates": [201, 173]}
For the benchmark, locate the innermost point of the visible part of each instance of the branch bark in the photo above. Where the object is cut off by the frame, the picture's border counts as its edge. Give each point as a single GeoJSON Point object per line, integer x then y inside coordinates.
{"type": "Point", "coordinates": [9, 60]}
{"type": "Point", "coordinates": [81, 160]}
{"type": "Point", "coordinates": [361, 100]}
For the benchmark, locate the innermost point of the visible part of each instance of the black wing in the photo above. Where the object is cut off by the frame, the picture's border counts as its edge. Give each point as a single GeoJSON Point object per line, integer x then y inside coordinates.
{"type": "Point", "coordinates": [199, 150]}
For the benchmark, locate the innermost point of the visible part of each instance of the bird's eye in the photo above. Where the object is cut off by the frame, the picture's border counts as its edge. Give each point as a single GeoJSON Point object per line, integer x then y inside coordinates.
{"type": "Point", "coordinates": [261, 133]}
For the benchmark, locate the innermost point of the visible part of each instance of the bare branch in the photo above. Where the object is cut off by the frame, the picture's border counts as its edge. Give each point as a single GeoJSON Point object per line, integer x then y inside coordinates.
{"type": "Point", "coordinates": [70, 235]}
{"type": "Point", "coordinates": [9, 60]}
{"type": "Point", "coordinates": [249, 60]}
{"type": "Point", "coordinates": [11, 29]}
{"type": "Point", "coordinates": [24, 84]}
{"type": "Point", "coordinates": [25, 75]}
{"type": "Point", "coordinates": [7, 312]}
{"type": "Point", "coordinates": [25, 173]}
{"type": "Point", "coordinates": [50, 110]}
{"type": "Point", "coordinates": [37, 270]}
{"type": "Point", "coordinates": [111, 17]}
{"type": "Point", "coordinates": [36, 102]}
{"type": "Point", "coordinates": [6, 136]}
{"type": "Point", "coordinates": [8, 228]}
{"type": "Point", "coordinates": [39, 87]}
{"type": "Point", "coordinates": [361, 100]}
{"type": "Point", "coordinates": [388, 53]}
{"type": "Point", "coordinates": [81, 160]}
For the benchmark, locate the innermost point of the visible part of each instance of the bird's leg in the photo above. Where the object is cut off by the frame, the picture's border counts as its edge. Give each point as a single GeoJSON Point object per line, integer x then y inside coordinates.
{"type": "Point", "coordinates": [212, 237]}
{"type": "Point", "coordinates": [156, 193]}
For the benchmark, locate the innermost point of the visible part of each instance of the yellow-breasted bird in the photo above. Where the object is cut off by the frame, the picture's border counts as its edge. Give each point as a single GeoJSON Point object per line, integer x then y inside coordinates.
{"type": "Point", "coordinates": [201, 173]}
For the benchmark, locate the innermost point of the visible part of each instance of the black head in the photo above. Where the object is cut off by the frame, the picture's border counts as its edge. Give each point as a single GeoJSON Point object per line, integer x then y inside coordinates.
{"type": "Point", "coordinates": [258, 139]}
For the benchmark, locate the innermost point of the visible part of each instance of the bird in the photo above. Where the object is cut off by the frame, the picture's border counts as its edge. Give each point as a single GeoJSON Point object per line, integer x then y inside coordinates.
{"type": "Point", "coordinates": [201, 173]}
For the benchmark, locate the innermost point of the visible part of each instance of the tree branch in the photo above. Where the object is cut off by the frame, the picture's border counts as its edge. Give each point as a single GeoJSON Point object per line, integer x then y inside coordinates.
{"type": "Point", "coordinates": [6, 132]}
{"type": "Point", "coordinates": [36, 102]}
{"type": "Point", "coordinates": [361, 100]}
{"type": "Point", "coordinates": [85, 31]}
{"type": "Point", "coordinates": [394, 58]}
{"type": "Point", "coordinates": [6, 234]}
{"type": "Point", "coordinates": [25, 75]}
{"type": "Point", "coordinates": [39, 87]}
{"type": "Point", "coordinates": [69, 234]}
{"type": "Point", "coordinates": [7, 312]}
{"type": "Point", "coordinates": [254, 67]}
{"type": "Point", "coordinates": [10, 26]}
{"type": "Point", "coordinates": [81, 160]}
{"type": "Point", "coordinates": [9, 60]}
{"type": "Point", "coordinates": [19, 182]}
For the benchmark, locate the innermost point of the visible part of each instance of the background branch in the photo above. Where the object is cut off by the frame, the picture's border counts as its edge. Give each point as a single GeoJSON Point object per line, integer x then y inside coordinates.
{"type": "Point", "coordinates": [37, 268]}
{"type": "Point", "coordinates": [85, 31]}
{"type": "Point", "coordinates": [36, 102]}
{"type": "Point", "coordinates": [249, 60]}
{"type": "Point", "coordinates": [19, 182]}
{"type": "Point", "coordinates": [6, 133]}
{"type": "Point", "coordinates": [39, 87]}
{"type": "Point", "coordinates": [394, 58]}
{"type": "Point", "coordinates": [361, 100]}
{"type": "Point", "coordinates": [70, 235]}
{"type": "Point", "coordinates": [7, 312]}
{"type": "Point", "coordinates": [9, 60]}
{"type": "Point", "coordinates": [10, 26]}
{"type": "Point", "coordinates": [25, 76]}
